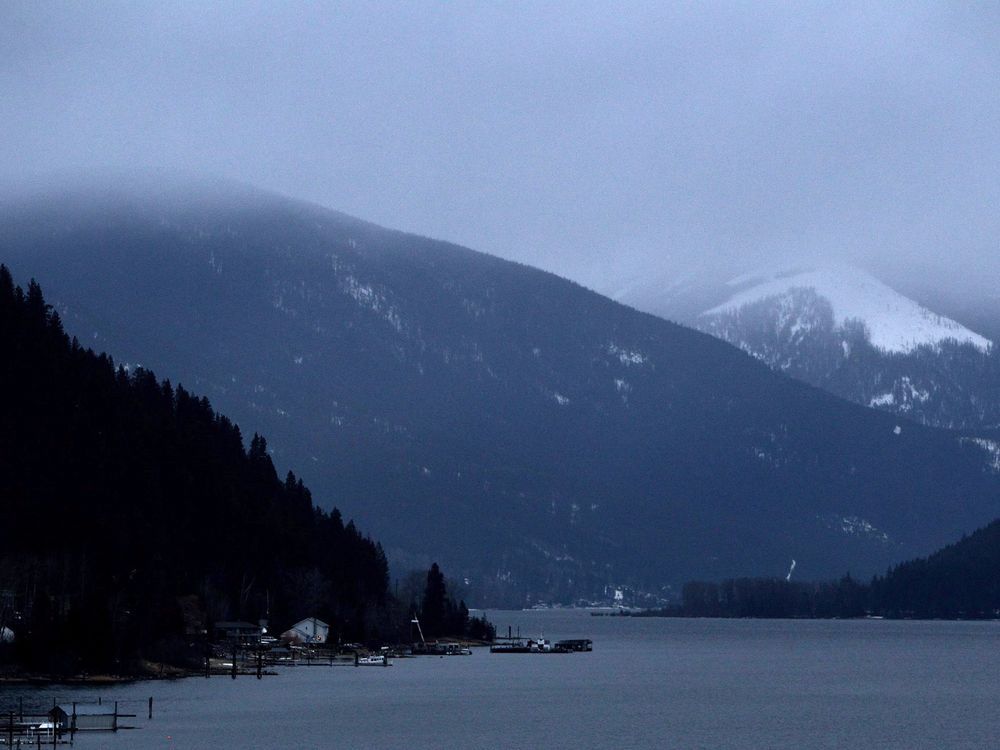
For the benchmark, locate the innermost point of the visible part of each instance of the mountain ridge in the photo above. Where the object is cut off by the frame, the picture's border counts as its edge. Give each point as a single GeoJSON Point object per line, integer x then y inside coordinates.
{"type": "Point", "coordinates": [842, 330]}
{"type": "Point", "coordinates": [543, 441]}
{"type": "Point", "coordinates": [894, 323]}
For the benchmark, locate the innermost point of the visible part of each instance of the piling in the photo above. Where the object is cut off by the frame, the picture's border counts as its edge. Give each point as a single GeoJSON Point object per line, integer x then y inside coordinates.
{"type": "Point", "coordinates": [150, 707]}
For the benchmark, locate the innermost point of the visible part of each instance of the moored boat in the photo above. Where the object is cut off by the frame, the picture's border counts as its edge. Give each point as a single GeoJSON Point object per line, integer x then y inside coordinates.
{"type": "Point", "coordinates": [372, 660]}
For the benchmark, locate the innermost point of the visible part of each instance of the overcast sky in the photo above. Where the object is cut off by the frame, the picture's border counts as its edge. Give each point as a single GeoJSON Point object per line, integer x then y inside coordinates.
{"type": "Point", "coordinates": [589, 139]}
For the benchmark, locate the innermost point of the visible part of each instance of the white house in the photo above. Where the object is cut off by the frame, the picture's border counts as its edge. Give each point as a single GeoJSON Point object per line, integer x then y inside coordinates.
{"type": "Point", "coordinates": [309, 630]}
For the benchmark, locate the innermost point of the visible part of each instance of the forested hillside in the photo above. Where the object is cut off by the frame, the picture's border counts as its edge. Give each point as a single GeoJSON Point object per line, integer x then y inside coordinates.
{"type": "Point", "coordinates": [961, 581]}
{"type": "Point", "coordinates": [133, 514]}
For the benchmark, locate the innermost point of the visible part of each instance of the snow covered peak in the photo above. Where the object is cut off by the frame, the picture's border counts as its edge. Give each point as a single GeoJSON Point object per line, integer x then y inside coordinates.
{"type": "Point", "coordinates": [895, 323]}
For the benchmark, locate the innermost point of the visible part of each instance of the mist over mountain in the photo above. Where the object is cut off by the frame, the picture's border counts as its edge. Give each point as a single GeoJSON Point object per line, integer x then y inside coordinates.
{"type": "Point", "coordinates": [536, 438]}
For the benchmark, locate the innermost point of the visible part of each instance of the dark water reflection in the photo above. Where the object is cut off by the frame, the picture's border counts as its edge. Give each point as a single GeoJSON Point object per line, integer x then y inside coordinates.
{"type": "Point", "coordinates": [648, 683]}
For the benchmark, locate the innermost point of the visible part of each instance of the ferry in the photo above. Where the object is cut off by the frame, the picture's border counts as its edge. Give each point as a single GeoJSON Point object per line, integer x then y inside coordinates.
{"type": "Point", "coordinates": [518, 645]}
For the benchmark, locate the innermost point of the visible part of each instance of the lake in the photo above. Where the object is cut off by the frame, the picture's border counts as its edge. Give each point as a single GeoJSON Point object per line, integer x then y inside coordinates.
{"type": "Point", "coordinates": [649, 682]}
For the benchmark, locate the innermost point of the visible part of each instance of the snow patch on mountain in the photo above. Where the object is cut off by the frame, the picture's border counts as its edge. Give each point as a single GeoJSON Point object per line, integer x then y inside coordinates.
{"type": "Point", "coordinates": [367, 296]}
{"type": "Point", "coordinates": [855, 526]}
{"type": "Point", "coordinates": [626, 356]}
{"type": "Point", "coordinates": [992, 449]}
{"type": "Point", "coordinates": [895, 323]}
{"type": "Point", "coordinates": [908, 393]}
{"type": "Point", "coordinates": [883, 400]}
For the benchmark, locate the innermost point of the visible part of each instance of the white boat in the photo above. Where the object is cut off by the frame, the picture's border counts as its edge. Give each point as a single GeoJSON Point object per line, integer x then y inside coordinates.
{"type": "Point", "coordinates": [540, 645]}
{"type": "Point", "coordinates": [373, 660]}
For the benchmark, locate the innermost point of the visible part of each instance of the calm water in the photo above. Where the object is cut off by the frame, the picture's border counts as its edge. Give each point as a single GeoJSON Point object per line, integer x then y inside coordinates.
{"type": "Point", "coordinates": [648, 683]}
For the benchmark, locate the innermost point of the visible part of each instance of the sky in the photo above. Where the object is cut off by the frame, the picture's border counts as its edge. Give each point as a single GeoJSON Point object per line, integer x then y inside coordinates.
{"type": "Point", "coordinates": [603, 141]}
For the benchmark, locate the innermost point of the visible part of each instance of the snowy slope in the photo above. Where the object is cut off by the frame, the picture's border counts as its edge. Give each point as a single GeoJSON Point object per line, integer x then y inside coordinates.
{"type": "Point", "coordinates": [895, 323]}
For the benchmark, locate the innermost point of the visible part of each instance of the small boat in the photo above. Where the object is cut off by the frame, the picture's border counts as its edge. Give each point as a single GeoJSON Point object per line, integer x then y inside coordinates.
{"type": "Point", "coordinates": [373, 660]}
{"type": "Point", "coordinates": [436, 648]}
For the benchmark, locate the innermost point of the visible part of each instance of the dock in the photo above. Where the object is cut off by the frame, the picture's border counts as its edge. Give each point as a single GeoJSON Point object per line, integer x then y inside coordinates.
{"type": "Point", "coordinates": [59, 725]}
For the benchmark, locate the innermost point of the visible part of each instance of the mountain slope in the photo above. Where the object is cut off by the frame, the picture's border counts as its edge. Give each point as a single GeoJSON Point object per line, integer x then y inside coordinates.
{"type": "Point", "coordinates": [133, 514]}
{"type": "Point", "coordinates": [535, 437]}
{"type": "Point", "coordinates": [842, 330]}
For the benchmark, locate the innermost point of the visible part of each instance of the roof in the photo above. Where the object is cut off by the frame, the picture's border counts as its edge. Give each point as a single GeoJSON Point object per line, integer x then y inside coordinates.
{"type": "Point", "coordinates": [311, 621]}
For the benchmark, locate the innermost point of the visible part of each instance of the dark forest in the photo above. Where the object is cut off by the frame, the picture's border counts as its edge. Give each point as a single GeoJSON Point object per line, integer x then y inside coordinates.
{"type": "Point", "coordinates": [133, 516]}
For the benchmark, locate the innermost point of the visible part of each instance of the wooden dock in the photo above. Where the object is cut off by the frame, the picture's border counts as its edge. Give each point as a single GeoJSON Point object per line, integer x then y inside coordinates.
{"type": "Point", "coordinates": [60, 724]}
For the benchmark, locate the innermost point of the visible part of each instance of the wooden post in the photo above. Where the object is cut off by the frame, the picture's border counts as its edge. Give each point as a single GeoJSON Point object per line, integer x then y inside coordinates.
{"type": "Point", "coordinates": [234, 660]}
{"type": "Point", "coordinates": [355, 658]}
{"type": "Point", "coordinates": [10, 730]}
{"type": "Point", "coordinates": [150, 707]}
{"type": "Point", "coordinates": [114, 721]}
{"type": "Point", "coordinates": [260, 663]}
{"type": "Point", "coordinates": [20, 708]}
{"type": "Point", "coordinates": [72, 724]}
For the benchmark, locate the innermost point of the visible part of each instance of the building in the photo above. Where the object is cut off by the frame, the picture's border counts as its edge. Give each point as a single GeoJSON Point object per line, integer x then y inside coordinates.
{"type": "Point", "coordinates": [85, 718]}
{"type": "Point", "coordinates": [306, 632]}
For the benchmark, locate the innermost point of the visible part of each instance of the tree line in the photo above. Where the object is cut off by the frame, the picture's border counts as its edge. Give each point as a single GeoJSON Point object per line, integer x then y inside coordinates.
{"type": "Point", "coordinates": [960, 581]}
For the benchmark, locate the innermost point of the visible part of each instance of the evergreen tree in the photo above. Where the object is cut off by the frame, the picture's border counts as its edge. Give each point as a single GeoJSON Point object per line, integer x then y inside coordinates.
{"type": "Point", "coordinates": [434, 607]}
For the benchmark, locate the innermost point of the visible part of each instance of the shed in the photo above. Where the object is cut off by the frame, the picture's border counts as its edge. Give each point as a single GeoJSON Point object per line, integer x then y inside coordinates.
{"type": "Point", "coordinates": [85, 717]}
{"type": "Point", "coordinates": [307, 631]}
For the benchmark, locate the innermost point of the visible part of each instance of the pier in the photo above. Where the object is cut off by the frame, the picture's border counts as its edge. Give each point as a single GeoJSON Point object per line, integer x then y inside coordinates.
{"type": "Point", "coordinates": [59, 725]}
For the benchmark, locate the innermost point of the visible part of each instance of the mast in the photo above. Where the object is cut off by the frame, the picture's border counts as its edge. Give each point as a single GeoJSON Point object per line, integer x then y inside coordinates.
{"type": "Point", "coordinates": [416, 622]}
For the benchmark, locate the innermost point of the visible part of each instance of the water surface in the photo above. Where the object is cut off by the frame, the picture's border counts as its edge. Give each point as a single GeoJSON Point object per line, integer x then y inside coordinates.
{"type": "Point", "coordinates": [648, 683]}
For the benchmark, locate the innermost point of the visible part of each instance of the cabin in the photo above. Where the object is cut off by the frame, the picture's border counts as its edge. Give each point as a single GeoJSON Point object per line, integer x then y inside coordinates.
{"type": "Point", "coordinates": [78, 717]}
{"type": "Point", "coordinates": [307, 632]}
